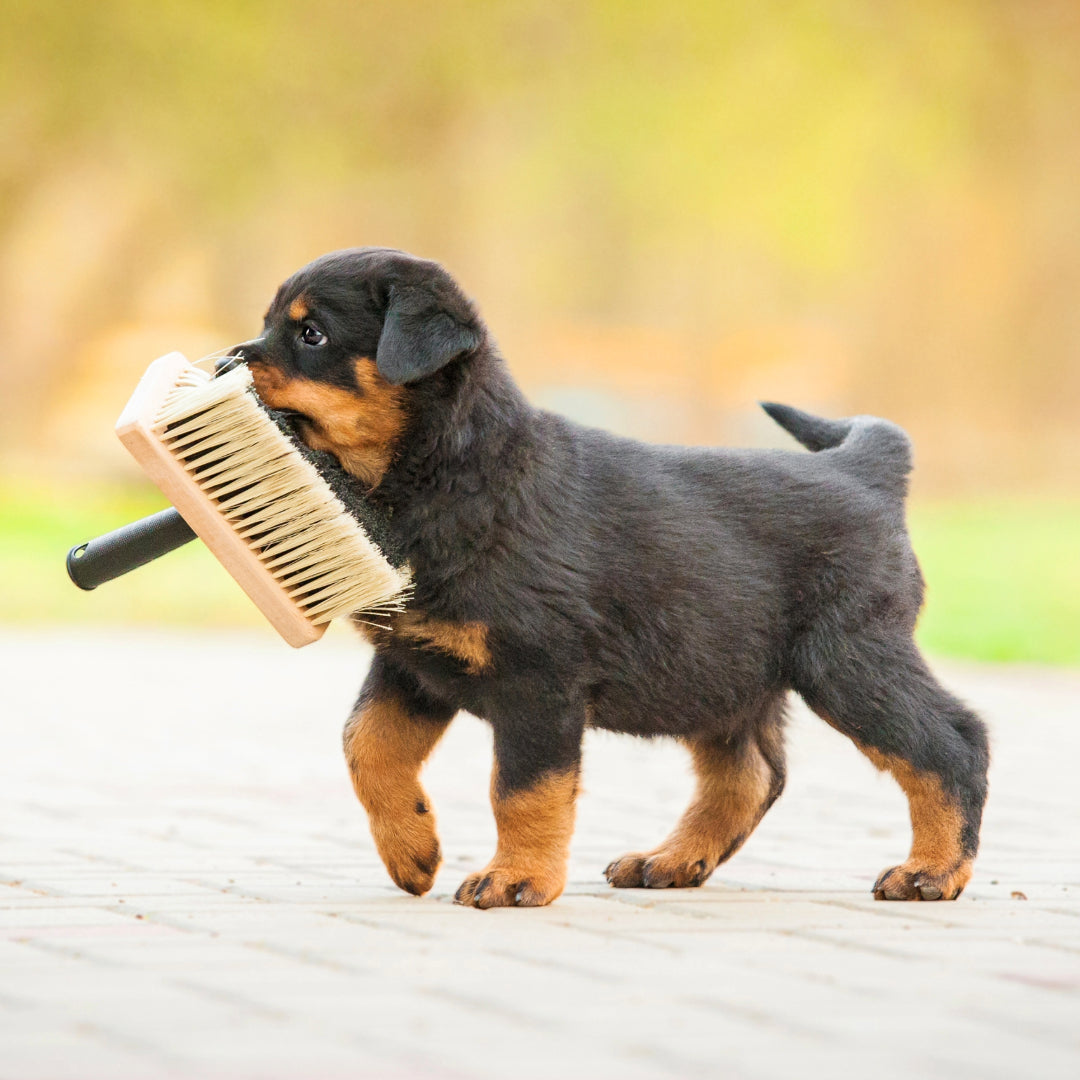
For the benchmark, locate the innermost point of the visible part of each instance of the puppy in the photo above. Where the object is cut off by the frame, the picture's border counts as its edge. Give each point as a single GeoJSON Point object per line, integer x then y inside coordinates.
{"type": "Point", "coordinates": [566, 578]}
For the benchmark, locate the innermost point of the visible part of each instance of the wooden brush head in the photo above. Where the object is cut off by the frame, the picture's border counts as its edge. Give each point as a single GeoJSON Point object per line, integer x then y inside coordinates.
{"type": "Point", "coordinates": [255, 500]}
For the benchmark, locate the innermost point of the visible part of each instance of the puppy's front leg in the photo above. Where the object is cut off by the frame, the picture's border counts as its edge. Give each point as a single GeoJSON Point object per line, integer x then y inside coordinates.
{"type": "Point", "coordinates": [392, 730]}
{"type": "Point", "coordinates": [534, 787]}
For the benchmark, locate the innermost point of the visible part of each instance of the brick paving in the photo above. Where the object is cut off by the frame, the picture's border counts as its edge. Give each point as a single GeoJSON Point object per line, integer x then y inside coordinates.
{"type": "Point", "coordinates": [188, 889]}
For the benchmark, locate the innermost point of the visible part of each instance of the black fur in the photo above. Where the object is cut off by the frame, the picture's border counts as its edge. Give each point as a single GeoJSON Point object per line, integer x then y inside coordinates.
{"type": "Point", "coordinates": [427, 324]}
{"type": "Point", "coordinates": [654, 590]}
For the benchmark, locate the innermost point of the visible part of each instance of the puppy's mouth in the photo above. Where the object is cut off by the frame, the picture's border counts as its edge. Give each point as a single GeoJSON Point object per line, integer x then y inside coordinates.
{"type": "Point", "coordinates": [294, 422]}
{"type": "Point", "coordinates": [357, 428]}
{"type": "Point", "coordinates": [297, 424]}
{"type": "Point", "coordinates": [288, 416]}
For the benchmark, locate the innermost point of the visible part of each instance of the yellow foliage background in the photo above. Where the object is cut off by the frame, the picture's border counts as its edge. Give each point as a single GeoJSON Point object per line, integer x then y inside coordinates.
{"type": "Point", "coordinates": [666, 211]}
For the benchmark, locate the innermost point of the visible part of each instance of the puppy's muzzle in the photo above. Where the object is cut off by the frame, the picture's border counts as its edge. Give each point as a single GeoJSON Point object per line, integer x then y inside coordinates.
{"type": "Point", "coordinates": [244, 353]}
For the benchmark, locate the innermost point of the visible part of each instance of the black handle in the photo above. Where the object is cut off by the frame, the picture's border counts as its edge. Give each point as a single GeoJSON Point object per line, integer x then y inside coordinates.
{"type": "Point", "coordinates": [127, 548]}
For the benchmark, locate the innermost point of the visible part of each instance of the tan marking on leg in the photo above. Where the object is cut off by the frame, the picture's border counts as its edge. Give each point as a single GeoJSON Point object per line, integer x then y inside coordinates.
{"type": "Point", "coordinates": [385, 748]}
{"type": "Point", "coordinates": [535, 826]}
{"type": "Point", "coordinates": [732, 794]}
{"type": "Point", "coordinates": [360, 428]}
{"type": "Point", "coordinates": [466, 641]}
{"type": "Point", "coordinates": [299, 308]}
{"type": "Point", "coordinates": [937, 867]}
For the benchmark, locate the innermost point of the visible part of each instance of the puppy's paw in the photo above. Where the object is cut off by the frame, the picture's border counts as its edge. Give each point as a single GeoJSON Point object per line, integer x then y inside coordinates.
{"type": "Point", "coordinates": [409, 849]}
{"type": "Point", "coordinates": [912, 882]}
{"type": "Point", "coordinates": [505, 886]}
{"type": "Point", "coordinates": [659, 870]}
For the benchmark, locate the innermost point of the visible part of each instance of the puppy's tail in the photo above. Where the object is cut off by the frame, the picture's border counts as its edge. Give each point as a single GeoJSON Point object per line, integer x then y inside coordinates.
{"type": "Point", "coordinates": [875, 450]}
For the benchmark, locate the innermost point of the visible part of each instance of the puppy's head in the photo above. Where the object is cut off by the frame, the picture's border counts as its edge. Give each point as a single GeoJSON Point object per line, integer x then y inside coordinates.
{"type": "Point", "coordinates": [345, 343]}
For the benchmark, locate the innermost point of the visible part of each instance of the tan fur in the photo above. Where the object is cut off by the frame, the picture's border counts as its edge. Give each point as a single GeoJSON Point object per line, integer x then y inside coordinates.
{"type": "Point", "coordinates": [937, 855]}
{"type": "Point", "coordinates": [360, 429]}
{"type": "Point", "coordinates": [385, 748]}
{"type": "Point", "coordinates": [936, 862]}
{"type": "Point", "coordinates": [728, 803]}
{"type": "Point", "coordinates": [298, 309]}
{"type": "Point", "coordinates": [535, 826]}
{"type": "Point", "coordinates": [466, 642]}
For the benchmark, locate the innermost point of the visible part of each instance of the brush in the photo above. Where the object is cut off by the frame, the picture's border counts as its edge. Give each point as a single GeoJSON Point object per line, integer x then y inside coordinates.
{"type": "Point", "coordinates": [303, 552]}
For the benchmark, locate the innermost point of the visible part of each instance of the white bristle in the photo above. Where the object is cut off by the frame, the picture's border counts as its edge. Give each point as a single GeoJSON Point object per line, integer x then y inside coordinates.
{"type": "Point", "coordinates": [275, 499]}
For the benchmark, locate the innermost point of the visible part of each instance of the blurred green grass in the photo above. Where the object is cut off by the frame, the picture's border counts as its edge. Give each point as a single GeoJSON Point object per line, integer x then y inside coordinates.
{"type": "Point", "coordinates": [1003, 578]}
{"type": "Point", "coordinates": [1003, 574]}
{"type": "Point", "coordinates": [38, 526]}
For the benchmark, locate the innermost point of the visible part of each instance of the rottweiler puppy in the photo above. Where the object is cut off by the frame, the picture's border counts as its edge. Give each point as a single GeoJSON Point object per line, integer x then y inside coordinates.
{"type": "Point", "coordinates": [566, 578]}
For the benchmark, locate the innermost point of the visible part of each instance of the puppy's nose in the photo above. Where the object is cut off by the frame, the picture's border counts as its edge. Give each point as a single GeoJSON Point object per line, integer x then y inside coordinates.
{"type": "Point", "coordinates": [238, 354]}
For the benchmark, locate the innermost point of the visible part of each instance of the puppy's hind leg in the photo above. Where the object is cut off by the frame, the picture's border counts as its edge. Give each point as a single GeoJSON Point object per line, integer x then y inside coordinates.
{"type": "Point", "coordinates": [737, 782]}
{"type": "Point", "coordinates": [884, 698]}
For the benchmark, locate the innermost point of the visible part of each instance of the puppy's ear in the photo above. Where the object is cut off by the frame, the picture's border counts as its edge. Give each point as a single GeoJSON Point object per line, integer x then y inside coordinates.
{"type": "Point", "coordinates": [428, 323]}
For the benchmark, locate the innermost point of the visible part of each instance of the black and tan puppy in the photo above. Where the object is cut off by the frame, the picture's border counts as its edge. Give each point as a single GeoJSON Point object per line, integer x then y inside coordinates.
{"type": "Point", "coordinates": [566, 578]}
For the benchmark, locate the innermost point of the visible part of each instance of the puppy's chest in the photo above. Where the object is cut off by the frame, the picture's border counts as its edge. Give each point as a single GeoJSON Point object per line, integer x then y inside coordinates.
{"type": "Point", "coordinates": [423, 634]}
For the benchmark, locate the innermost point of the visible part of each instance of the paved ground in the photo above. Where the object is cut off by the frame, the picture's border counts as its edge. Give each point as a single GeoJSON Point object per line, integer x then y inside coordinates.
{"type": "Point", "coordinates": [189, 890]}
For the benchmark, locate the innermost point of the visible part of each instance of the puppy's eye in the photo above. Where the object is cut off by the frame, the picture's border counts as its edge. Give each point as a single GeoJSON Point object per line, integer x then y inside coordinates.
{"type": "Point", "coordinates": [312, 335]}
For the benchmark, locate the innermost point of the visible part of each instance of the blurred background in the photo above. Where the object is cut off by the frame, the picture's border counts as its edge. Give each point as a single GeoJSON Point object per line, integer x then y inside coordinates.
{"type": "Point", "coordinates": [666, 212]}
